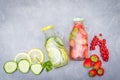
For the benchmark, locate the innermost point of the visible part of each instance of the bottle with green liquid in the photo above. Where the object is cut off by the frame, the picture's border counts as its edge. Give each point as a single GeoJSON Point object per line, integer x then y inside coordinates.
{"type": "Point", "coordinates": [55, 48]}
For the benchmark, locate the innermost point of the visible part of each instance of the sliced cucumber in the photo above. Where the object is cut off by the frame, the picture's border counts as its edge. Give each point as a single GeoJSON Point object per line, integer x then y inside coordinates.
{"type": "Point", "coordinates": [36, 68]}
{"type": "Point", "coordinates": [56, 51]}
{"type": "Point", "coordinates": [75, 31]}
{"type": "Point", "coordinates": [21, 56]}
{"type": "Point", "coordinates": [10, 67]}
{"type": "Point", "coordinates": [54, 42]}
{"type": "Point", "coordinates": [24, 66]}
{"type": "Point", "coordinates": [50, 42]}
{"type": "Point", "coordinates": [58, 41]}
{"type": "Point", "coordinates": [54, 56]}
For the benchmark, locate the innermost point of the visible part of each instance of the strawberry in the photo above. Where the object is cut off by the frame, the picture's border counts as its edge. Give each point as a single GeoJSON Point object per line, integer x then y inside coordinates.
{"type": "Point", "coordinates": [100, 72]}
{"type": "Point", "coordinates": [97, 65]}
{"type": "Point", "coordinates": [87, 63]}
{"type": "Point", "coordinates": [92, 73]}
{"type": "Point", "coordinates": [94, 58]}
{"type": "Point", "coordinates": [72, 43]}
{"type": "Point", "coordinates": [82, 31]}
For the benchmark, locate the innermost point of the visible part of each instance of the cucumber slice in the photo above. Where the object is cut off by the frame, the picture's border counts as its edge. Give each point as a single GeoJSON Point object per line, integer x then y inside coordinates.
{"type": "Point", "coordinates": [50, 42]}
{"type": "Point", "coordinates": [75, 31]}
{"type": "Point", "coordinates": [21, 56]}
{"type": "Point", "coordinates": [72, 37]}
{"type": "Point", "coordinates": [24, 66]}
{"type": "Point", "coordinates": [36, 68]}
{"type": "Point", "coordinates": [54, 42]}
{"type": "Point", "coordinates": [10, 67]}
{"type": "Point", "coordinates": [56, 51]}
{"type": "Point", "coordinates": [54, 56]}
{"type": "Point", "coordinates": [58, 41]}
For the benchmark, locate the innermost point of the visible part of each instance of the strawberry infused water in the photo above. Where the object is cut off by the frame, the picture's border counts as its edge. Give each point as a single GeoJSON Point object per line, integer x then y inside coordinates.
{"type": "Point", "coordinates": [78, 40]}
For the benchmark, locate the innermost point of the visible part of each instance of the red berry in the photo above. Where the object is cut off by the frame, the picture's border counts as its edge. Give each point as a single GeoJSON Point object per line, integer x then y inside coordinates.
{"type": "Point", "coordinates": [104, 41]}
{"type": "Point", "coordinates": [100, 72]}
{"type": "Point", "coordinates": [97, 65]}
{"type": "Point", "coordinates": [87, 63]}
{"type": "Point", "coordinates": [104, 55]}
{"type": "Point", "coordinates": [100, 34]}
{"type": "Point", "coordinates": [92, 73]}
{"type": "Point", "coordinates": [94, 58]}
{"type": "Point", "coordinates": [92, 47]}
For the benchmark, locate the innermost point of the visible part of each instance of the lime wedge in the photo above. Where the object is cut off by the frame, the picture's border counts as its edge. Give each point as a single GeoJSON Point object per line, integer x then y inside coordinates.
{"type": "Point", "coordinates": [36, 55]}
{"type": "Point", "coordinates": [21, 56]}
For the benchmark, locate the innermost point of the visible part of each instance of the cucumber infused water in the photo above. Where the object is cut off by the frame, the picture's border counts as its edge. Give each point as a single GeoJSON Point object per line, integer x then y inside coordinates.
{"type": "Point", "coordinates": [55, 47]}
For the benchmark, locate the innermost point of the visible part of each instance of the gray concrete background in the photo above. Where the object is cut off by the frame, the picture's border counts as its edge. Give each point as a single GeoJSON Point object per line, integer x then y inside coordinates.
{"type": "Point", "coordinates": [21, 21]}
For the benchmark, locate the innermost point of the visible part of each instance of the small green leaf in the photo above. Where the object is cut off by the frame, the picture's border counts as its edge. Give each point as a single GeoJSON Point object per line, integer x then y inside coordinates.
{"type": "Point", "coordinates": [48, 68]}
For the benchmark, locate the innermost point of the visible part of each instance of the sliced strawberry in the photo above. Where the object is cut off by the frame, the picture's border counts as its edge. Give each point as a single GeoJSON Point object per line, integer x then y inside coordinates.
{"type": "Point", "coordinates": [78, 36]}
{"type": "Point", "coordinates": [74, 54]}
{"type": "Point", "coordinates": [87, 63]}
{"type": "Point", "coordinates": [84, 41]}
{"type": "Point", "coordinates": [100, 72]}
{"type": "Point", "coordinates": [72, 43]}
{"type": "Point", "coordinates": [92, 73]}
{"type": "Point", "coordinates": [85, 52]}
{"type": "Point", "coordinates": [94, 57]}
{"type": "Point", "coordinates": [82, 31]}
{"type": "Point", "coordinates": [97, 65]}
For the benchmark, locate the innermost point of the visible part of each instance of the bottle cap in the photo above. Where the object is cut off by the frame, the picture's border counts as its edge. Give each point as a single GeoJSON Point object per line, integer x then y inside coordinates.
{"type": "Point", "coordinates": [78, 19]}
{"type": "Point", "coordinates": [47, 28]}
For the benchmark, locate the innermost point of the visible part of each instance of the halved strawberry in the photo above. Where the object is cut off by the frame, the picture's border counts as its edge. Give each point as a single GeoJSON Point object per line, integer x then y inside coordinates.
{"type": "Point", "coordinates": [100, 72]}
{"type": "Point", "coordinates": [97, 65]}
{"type": "Point", "coordinates": [94, 57]}
{"type": "Point", "coordinates": [87, 63]}
{"type": "Point", "coordinates": [92, 73]}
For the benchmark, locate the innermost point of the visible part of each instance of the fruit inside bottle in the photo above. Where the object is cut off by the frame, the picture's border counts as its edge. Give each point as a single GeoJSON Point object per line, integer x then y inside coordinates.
{"type": "Point", "coordinates": [78, 41]}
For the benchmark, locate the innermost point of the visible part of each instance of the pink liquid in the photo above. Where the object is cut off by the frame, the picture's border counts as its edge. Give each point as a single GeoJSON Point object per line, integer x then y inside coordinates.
{"type": "Point", "coordinates": [78, 42]}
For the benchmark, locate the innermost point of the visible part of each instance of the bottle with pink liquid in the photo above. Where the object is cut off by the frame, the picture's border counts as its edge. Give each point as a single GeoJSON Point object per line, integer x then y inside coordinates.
{"type": "Point", "coordinates": [78, 40]}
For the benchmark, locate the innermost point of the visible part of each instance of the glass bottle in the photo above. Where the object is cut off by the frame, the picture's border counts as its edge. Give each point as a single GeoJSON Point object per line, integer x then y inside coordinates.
{"type": "Point", "coordinates": [55, 48]}
{"type": "Point", "coordinates": [78, 41]}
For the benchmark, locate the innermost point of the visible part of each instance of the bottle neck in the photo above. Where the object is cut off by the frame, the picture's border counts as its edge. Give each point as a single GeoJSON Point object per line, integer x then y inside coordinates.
{"type": "Point", "coordinates": [78, 24]}
{"type": "Point", "coordinates": [49, 33]}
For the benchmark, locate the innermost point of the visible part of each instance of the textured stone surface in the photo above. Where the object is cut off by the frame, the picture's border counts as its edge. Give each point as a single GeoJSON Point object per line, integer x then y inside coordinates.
{"type": "Point", "coordinates": [21, 21]}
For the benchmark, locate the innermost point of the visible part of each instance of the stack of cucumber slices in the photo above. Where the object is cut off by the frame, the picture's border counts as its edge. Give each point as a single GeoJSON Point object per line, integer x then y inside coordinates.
{"type": "Point", "coordinates": [24, 62]}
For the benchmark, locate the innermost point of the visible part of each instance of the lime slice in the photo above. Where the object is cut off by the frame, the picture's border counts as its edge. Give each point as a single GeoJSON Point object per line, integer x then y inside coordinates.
{"type": "Point", "coordinates": [36, 55]}
{"type": "Point", "coordinates": [21, 56]}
